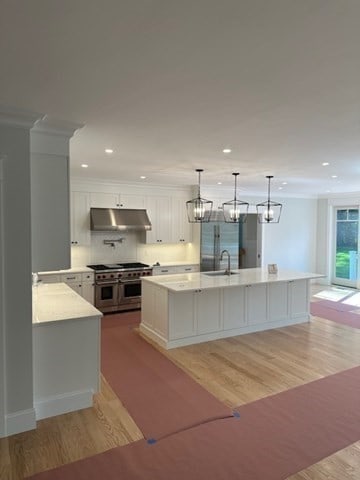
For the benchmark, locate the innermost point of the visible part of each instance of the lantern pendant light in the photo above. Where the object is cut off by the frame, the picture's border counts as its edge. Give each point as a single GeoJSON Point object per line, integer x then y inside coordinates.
{"type": "Point", "coordinates": [199, 209]}
{"type": "Point", "coordinates": [235, 211]}
{"type": "Point", "coordinates": [268, 211]}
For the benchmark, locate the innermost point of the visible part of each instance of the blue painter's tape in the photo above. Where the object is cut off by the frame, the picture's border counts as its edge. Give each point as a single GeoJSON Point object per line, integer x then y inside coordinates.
{"type": "Point", "coordinates": [236, 414]}
{"type": "Point", "coordinates": [151, 441]}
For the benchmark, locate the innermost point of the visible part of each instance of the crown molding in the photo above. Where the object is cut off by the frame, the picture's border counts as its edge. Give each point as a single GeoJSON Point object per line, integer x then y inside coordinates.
{"type": "Point", "coordinates": [16, 117]}
{"type": "Point", "coordinates": [53, 126]}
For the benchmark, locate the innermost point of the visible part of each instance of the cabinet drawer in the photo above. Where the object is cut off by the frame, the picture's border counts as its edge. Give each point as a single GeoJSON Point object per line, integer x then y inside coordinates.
{"type": "Point", "coordinates": [164, 270]}
{"type": "Point", "coordinates": [71, 277]}
{"type": "Point", "coordinates": [50, 278]}
{"type": "Point", "coordinates": [87, 277]}
{"type": "Point", "coordinates": [187, 268]}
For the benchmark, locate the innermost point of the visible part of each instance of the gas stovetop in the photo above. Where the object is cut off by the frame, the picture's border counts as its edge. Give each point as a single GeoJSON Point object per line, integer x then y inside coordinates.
{"type": "Point", "coordinates": [119, 267]}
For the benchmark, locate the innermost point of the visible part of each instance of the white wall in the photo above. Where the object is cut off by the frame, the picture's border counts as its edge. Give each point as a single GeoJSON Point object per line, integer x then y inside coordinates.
{"type": "Point", "coordinates": [292, 242]}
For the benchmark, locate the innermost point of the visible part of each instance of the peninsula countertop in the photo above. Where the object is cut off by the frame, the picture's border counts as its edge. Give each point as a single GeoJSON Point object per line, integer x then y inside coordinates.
{"type": "Point", "coordinates": [241, 277]}
{"type": "Point", "coordinates": [54, 302]}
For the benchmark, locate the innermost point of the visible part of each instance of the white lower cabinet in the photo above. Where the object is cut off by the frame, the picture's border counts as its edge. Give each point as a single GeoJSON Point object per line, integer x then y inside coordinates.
{"type": "Point", "coordinates": [298, 298]}
{"type": "Point", "coordinates": [278, 301]}
{"type": "Point", "coordinates": [181, 315]}
{"type": "Point", "coordinates": [256, 303]}
{"type": "Point", "coordinates": [234, 315]}
{"type": "Point", "coordinates": [207, 310]}
{"type": "Point", "coordinates": [177, 318]}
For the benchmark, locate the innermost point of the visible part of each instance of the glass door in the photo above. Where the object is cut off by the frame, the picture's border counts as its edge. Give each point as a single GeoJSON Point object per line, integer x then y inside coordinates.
{"type": "Point", "coordinates": [346, 242]}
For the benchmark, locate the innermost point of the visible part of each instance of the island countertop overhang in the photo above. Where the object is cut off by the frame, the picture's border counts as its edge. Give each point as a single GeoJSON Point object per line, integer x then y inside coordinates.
{"type": "Point", "coordinates": [241, 277]}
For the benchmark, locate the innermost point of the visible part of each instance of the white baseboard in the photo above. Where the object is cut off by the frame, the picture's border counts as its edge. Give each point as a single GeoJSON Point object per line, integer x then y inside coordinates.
{"type": "Point", "coordinates": [20, 421]}
{"type": "Point", "coordinates": [64, 403]}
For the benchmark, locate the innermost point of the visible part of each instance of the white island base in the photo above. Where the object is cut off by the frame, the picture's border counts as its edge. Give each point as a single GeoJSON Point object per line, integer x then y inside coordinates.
{"type": "Point", "coordinates": [179, 310]}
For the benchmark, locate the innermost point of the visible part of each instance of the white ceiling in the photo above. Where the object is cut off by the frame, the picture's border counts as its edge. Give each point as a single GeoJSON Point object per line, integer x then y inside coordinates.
{"type": "Point", "coordinates": [169, 83]}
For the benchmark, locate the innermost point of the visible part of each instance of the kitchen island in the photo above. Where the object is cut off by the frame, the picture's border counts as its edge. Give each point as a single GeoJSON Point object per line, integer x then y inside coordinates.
{"type": "Point", "coordinates": [66, 350]}
{"type": "Point", "coordinates": [184, 309]}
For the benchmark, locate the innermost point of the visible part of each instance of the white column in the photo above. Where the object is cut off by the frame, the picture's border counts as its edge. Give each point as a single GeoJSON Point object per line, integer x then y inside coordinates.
{"type": "Point", "coordinates": [30, 157]}
{"type": "Point", "coordinates": [16, 388]}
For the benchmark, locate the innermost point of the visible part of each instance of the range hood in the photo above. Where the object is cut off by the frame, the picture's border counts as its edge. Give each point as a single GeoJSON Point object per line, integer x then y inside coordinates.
{"type": "Point", "coordinates": [118, 219]}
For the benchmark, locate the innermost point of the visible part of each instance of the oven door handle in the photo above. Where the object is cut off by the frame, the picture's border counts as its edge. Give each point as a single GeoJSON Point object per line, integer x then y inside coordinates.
{"type": "Point", "coordinates": [125, 282]}
{"type": "Point", "coordinates": [99, 284]}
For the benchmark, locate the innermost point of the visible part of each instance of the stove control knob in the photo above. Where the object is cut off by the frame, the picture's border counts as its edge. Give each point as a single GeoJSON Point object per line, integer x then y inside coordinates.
{"type": "Point", "coordinates": [104, 276]}
{"type": "Point", "coordinates": [111, 276]}
{"type": "Point", "coordinates": [119, 275]}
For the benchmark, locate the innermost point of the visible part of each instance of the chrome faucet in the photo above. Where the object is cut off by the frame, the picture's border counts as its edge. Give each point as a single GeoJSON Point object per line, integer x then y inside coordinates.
{"type": "Point", "coordinates": [227, 271]}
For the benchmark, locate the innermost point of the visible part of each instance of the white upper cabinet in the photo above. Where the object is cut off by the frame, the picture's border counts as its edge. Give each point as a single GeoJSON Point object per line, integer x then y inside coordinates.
{"type": "Point", "coordinates": [159, 211]}
{"type": "Point", "coordinates": [181, 228]}
{"type": "Point", "coordinates": [116, 200]}
{"type": "Point", "coordinates": [80, 218]}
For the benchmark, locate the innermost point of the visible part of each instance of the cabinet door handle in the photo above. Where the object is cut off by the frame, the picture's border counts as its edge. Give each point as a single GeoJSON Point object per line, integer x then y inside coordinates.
{"type": "Point", "coordinates": [187, 269]}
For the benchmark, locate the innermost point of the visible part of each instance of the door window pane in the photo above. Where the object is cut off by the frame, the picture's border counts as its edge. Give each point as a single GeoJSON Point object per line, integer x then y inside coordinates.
{"type": "Point", "coordinates": [341, 215]}
{"type": "Point", "coordinates": [347, 231]}
{"type": "Point", "coordinates": [353, 214]}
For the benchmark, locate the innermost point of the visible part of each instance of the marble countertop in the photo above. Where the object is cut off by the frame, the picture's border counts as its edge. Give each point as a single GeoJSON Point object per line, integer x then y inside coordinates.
{"type": "Point", "coordinates": [54, 302]}
{"type": "Point", "coordinates": [247, 276]}
{"type": "Point", "coordinates": [69, 270]}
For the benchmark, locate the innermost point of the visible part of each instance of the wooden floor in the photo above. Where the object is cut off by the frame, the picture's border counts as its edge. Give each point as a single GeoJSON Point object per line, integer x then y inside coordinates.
{"type": "Point", "coordinates": [236, 370]}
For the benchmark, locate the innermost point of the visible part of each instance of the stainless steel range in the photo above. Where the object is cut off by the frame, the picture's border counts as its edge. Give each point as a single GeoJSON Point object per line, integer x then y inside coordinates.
{"type": "Point", "coordinates": [118, 285]}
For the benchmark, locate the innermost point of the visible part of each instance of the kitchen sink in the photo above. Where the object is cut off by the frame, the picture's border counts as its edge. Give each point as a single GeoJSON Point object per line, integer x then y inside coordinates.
{"type": "Point", "coordinates": [220, 274]}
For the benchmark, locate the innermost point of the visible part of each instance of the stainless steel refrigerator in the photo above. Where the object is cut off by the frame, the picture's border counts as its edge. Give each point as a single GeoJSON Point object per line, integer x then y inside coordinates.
{"type": "Point", "coordinates": [241, 241]}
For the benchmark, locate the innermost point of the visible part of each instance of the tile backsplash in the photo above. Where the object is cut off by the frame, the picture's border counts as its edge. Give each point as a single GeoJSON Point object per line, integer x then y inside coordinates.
{"type": "Point", "coordinates": [131, 248]}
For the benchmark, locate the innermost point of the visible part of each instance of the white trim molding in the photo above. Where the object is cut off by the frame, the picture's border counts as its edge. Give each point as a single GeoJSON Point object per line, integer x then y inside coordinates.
{"type": "Point", "coordinates": [2, 315]}
{"type": "Point", "coordinates": [64, 403]}
{"type": "Point", "coordinates": [20, 421]}
{"type": "Point", "coordinates": [16, 117]}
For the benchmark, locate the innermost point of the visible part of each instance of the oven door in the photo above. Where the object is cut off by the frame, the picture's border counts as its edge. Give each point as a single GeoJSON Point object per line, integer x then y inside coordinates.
{"type": "Point", "coordinates": [130, 292]}
{"type": "Point", "coordinates": [106, 295]}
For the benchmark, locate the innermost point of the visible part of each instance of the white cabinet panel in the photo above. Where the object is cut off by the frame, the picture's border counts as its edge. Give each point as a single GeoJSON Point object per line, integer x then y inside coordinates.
{"type": "Point", "coordinates": [299, 298]}
{"type": "Point", "coordinates": [161, 311]}
{"type": "Point", "coordinates": [116, 200]}
{"type": "Point", "coordinates": [181, 228]}
{"type": "Point", "coordinates": [80, 218]}
{"type": "Point", "coordinates": [234, 307]}
{"type": "Point", "coordinates": [208, 311]}
{"type": "Point", "coordinates": [158, 209]}
{"type": "Point", "coordinates": [104, 200]}
{"type": "Point", "coordinates": [148, 299]}
{"type": "Point", "coordinates": [278, 301]}
{"type": "Point", "coordinates": [256, 304]}
{"type": "Point", "coordinates": [88, 292]}
{"type": "Point", "coordinates": [182, 319]}
{"type": "Point", "coordinates": [132, 201]}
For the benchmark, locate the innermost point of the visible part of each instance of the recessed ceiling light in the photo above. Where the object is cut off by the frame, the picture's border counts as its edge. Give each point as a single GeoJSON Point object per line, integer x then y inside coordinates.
{"type": "Point", "coordinates": [333, 176]}
{"type": "Point", "coordinates": [84, 165]}
{"type": "Point", "coordinates": [219, 183]}
{"type": "Point", "coordinates": [284, 183]}
{"type": "Point", "coordinates": [325, 164]}
{"type": "Point", "coordinates": [327, 191]}
{"type": "Point", "coordinates": [109, 150]}
{"type": "Point", "coordinates": [280, 188]}
{"type": "Point", "coordinates": [142, 177]}
{"type": "Point", "coordinates": [227, 150]}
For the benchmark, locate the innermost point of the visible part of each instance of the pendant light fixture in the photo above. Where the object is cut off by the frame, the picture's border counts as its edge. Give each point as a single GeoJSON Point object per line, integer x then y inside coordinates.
{"type": "Point", "coordinates": [199, 209]}
{"type": "Point", "coordinates": [268, 211]}
{"type": "Point", "coordinates": [235, 211]}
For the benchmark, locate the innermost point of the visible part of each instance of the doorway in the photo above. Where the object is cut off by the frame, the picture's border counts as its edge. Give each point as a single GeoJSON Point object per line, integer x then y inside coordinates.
{"type": "Point", "coordinates": [346, 244]}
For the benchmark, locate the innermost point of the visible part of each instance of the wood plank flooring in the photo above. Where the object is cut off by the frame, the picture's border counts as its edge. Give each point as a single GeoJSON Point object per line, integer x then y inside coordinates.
{"type": "Point", "coordinates": [236, 370]}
